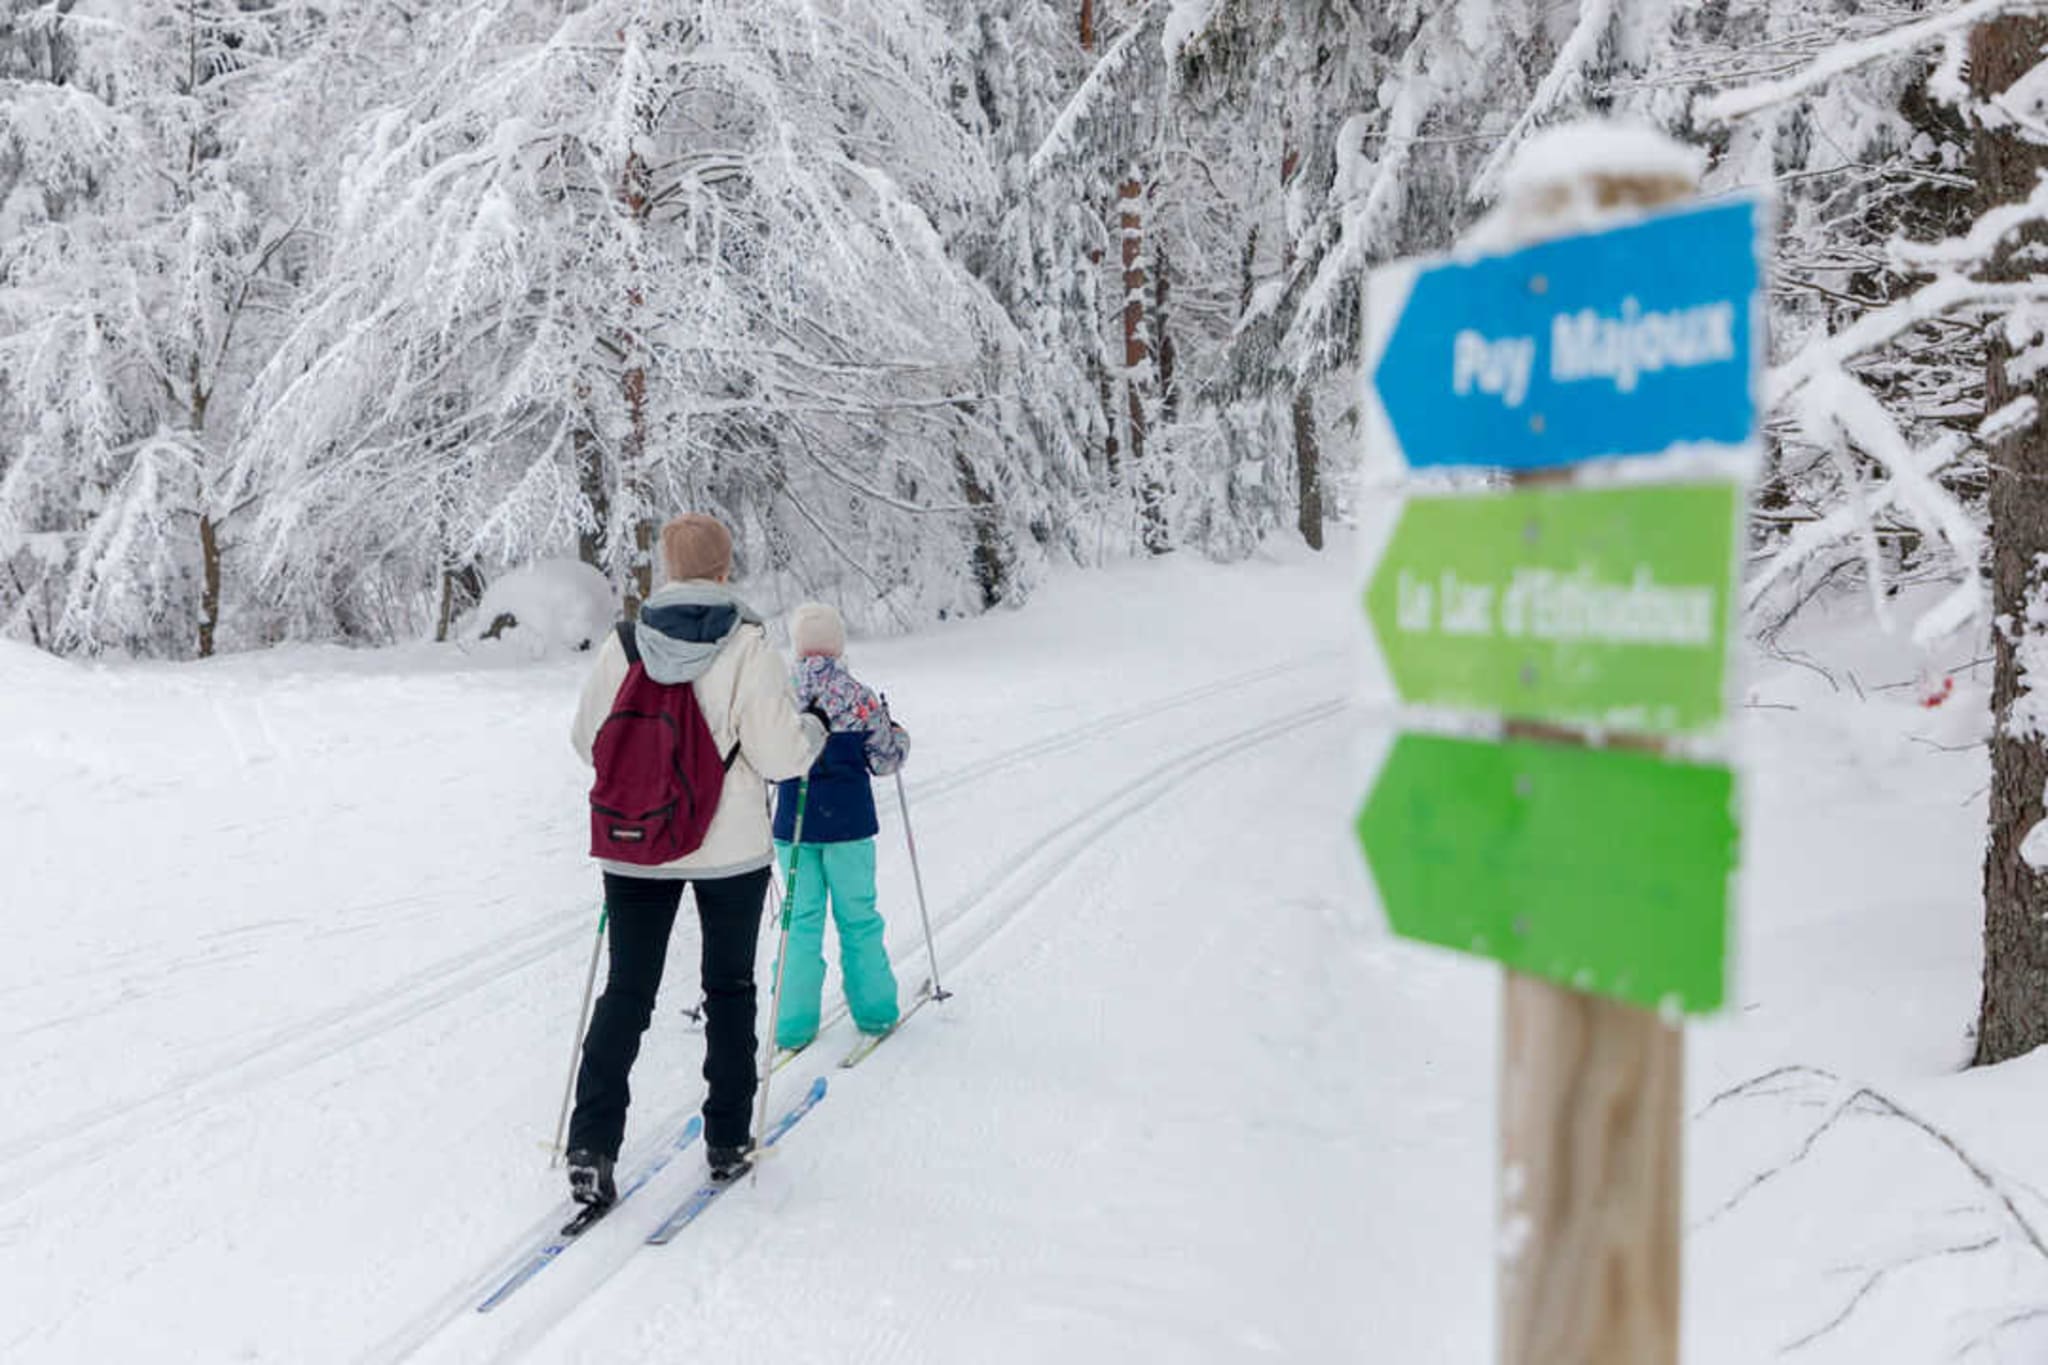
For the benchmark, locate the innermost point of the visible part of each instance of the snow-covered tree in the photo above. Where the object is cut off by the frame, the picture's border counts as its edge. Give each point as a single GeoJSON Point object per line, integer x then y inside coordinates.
{"type": "Point", "coordinates": [1883, 390]}
{"type": "Point", "coordinates": [626, 259]}
{"type": "Point", "coordinates": [1307, 146]}
{"type": "Point", "coordinates": [314, 316]}
{"type": "Point", "coordinates": [143, 235]}
{"type": "Point", "coordinates": [1856, 164]}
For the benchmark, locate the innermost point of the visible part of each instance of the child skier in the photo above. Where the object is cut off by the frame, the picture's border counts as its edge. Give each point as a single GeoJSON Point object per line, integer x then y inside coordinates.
{"type": "Point", "coordinates": [836, 859]}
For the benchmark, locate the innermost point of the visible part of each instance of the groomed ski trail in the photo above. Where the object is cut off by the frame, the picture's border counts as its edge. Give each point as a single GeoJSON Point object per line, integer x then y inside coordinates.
{"type": "Point", "coordinates": [29, 1159]}
{"type": "Point", "coordinates": [970, 923]}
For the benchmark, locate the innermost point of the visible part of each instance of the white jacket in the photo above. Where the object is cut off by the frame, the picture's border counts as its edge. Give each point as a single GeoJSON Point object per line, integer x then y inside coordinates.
{"type": "Point", "coordinates": [701, 633]}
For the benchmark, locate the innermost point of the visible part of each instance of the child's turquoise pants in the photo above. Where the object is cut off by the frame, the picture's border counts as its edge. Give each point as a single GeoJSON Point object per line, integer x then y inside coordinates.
{"type": "Point", "coordinates": [844, 873]}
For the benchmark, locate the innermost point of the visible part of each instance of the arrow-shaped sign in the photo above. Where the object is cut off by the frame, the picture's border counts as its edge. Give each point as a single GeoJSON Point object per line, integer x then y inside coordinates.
{"type": "Point", "coordinates": [1602, 869]}
{"type": "Point", "coordinates": [1604, 607]}
{"type": "Point", "coordinates": [1619, 343]}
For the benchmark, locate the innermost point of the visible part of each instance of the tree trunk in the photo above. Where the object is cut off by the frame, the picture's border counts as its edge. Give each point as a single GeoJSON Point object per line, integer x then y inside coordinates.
{"type": "Point", "coordinates": [1169, 392]}
{"type": "Point", "coordinates": [1137, 360]}
{"type": "Point", "coordinates": [447, 613]}
{"type": "Point", "coordinates": [1308, 469]}
{"type": "Point", "coordinates": [460, 589]}
{"type": "Point", "coordinates": [633, 191]}
{"type": "Point", "coordinates": [2013, 1016]}
{"type": "Point", "coordinates": [1112, 444]}
{"type": "Point", "coordinates": [1087, 25]}
{"type": "Point", "coordinates": [1247, 276]}
{"type": "Point", "coordinates": [209, 533]}
{"type": "Point", "coordinates": [991, 564]}
{"type": "Point", "coordinates": [1112, 482]}
{"type": "Point", "coordinates": [209, 593]}
{"type": "Point", "coordinates": [1131, 232]}
{"type": "Point", "coordinates": [1308, 453]}
{"type": "Point", "coordinates": [591, 540]}
{"type": "Point", "coordinates": [640, 579]}
{"type": "Point", "coordinates": [28, 609]}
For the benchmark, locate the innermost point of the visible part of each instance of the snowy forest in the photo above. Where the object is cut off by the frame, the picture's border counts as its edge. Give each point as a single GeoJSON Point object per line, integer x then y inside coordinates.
{"type": "Point", "coordinates": [315, 318]}
{"type": "Point", "coordinates": [1033, 336]}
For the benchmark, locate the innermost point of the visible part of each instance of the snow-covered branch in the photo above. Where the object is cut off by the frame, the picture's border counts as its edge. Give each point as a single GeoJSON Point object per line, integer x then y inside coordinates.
{"type": "Point", "coordinates": [1100, 88]}
{"type": "Point", "coordinates": [1942, 297]}
{"type": "Point", "coordinates": [1847, 57]}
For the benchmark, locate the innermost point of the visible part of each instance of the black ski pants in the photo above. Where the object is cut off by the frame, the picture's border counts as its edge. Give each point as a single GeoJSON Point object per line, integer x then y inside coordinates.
{"type": "Point", "coordinates": [640, 912]}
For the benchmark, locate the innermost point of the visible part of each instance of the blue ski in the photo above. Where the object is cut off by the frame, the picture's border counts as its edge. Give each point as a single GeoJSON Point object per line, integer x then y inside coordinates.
{"type": "Point", "coordinates": [705, 1194]}
{"type": "Point", "coordinates": [558, 1242]}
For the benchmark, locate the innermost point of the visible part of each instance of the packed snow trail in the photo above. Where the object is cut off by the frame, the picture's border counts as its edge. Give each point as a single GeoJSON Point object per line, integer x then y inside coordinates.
{"type": "Point", "coordinates": [712, 1185]}
{"type": "Point", "coordinates": [284, 1013]}
{"type": "Point", "coordinates": [1188, 1102]}
{"type": "Point", "coordinates": [78, 1137]}
{"type": "Point", "coordinates": [865, 1046]}
{"type": "Point", "coordinates": [563, 1237]}
{"type": "Point", "coordinates": [983, 912]}
{"type": "Point", "coordinates": [1133, 1135]}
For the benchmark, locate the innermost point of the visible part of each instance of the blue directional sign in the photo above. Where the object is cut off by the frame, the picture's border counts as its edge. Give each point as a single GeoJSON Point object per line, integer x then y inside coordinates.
{"type": "Point", "coordinates": [1608, 344]}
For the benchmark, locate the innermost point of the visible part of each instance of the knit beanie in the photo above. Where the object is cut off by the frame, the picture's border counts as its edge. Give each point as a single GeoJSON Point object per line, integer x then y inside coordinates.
{"type": "Point", "coordinates": [815, 628]}
{"type": "Point", "coordinates": [696, 546]}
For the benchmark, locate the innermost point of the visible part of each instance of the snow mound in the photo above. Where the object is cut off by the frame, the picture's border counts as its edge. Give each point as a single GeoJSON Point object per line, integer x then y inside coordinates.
{"type": "Point", "coordinates": [21, 663]}
{"type": "Point", "coordinates": [550, 606]}
{"type": "Point", "coordinates": [1560, 155]}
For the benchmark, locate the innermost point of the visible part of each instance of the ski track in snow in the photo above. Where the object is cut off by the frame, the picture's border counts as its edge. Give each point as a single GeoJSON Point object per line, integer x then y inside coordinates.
{"type": "Point", "coordinates": [213, 1095]}
{"type": "Point", "coordinates": [989, 911]}
{"type": "Point", "coordinates": [1166, 1154]}
{"type": "Point", "coordinates": [28, 1159]}
{"type": "Point", "coordinates": [79, 1139]}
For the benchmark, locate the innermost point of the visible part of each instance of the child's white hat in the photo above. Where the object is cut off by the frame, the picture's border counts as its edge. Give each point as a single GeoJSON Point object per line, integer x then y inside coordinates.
{"type": "Point", "coordinates": [815, 628]}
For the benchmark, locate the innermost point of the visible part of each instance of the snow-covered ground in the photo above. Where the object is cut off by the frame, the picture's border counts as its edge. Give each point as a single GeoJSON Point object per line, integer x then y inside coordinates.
{"type": "Point", "coordinates": [297, 940]}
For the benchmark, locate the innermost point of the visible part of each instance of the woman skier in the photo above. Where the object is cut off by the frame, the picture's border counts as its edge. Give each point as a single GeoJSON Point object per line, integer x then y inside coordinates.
{"type": "Point", "coordinates": [836, 858]}
{"type": "Point", "coordinates": [657, 747]}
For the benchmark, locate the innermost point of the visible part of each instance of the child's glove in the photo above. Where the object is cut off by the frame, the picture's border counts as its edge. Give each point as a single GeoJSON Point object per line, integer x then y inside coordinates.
{"type": "Point", "coordinates": [888, 750]}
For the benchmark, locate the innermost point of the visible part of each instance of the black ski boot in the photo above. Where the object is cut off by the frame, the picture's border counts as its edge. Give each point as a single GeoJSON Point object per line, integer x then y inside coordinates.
{"type": "Point", "coordinates": [728, 1163]}
{"type": "Point", "coordinates": [591, 1185]}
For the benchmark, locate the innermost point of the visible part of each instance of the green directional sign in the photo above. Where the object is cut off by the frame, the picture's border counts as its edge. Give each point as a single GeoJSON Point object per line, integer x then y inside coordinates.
{"type": "Point", "coordinates": [1605, 870]}
{"type": "Point", "coordinates": [1600, 606]}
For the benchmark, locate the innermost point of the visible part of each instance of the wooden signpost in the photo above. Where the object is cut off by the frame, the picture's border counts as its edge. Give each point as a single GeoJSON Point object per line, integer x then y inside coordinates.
{"type": "Point", "coordinates": [1556, 651]}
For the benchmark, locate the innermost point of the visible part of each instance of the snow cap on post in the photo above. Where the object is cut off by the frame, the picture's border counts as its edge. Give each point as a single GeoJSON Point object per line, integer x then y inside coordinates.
{"type": "Point", "coordinates": [696, 546]}
{"type": "Point", "coordinates": [1577, 173]}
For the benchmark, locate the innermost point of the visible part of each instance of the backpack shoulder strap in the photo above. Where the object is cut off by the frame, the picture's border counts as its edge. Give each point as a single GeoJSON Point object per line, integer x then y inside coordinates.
{"type": "Point", "coordinates": [624, 631]}
{"type": "Point", "coordinates": [732, 712]}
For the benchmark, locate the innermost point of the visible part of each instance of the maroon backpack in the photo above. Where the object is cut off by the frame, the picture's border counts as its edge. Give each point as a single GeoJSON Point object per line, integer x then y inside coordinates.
{"type": "Point", "coordinates": [659, 772]}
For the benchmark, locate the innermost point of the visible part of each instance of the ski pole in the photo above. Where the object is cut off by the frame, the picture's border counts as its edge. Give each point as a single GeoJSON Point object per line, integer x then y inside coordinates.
{"type": "Point", "coordinates": [916, 875]}
{"type": "Point", "coordinates": [796, 844]}
{"type": "Point", "coordinates": [582, 1022]}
